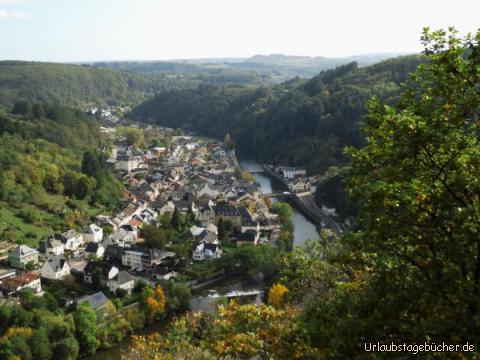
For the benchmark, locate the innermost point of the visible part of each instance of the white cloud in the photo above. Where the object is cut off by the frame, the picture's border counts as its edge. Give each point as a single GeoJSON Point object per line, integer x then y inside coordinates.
{"type": "Point", "coordinates": [15, 15]}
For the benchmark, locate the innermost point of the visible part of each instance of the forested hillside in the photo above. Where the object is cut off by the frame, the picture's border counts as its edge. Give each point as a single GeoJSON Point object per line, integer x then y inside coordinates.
{"type": "Point", "coordinates": [69, 84]}
{"type": "Point", "coordinates": [299, 122]}
{"type": "Point", "coordinates": [43, 185]}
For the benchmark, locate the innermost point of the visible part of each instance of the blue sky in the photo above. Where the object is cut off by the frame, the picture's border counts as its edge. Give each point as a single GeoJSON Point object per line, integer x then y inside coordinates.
{"type": "Point", "coordinates": [83, 30]}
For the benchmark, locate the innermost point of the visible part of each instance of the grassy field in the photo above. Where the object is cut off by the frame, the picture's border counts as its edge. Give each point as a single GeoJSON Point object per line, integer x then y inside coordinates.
{"type": "Point", "coordinates": [14, 228]}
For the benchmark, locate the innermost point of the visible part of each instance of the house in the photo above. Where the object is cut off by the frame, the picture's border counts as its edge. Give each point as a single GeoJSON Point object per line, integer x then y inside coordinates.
{"type": "Point", "coordinates": [55, 267]}
{"type": "Point", "coordinates": [123, 280]}
{"type": "Point", "coordinates": [122, 237]}
{"type": "Point", "coordinates": [246, 218]}
{"type": "Point", "coordinates": [209, 237]}
{"type": "Point", "coordinates": [22, 281]}
{"type": "Point", "coordinates": [146, 259]}
{"type": "Point", "coordinates": [289, 172]}
{"type": "Point", "coordinates": [167, 207]}
{"type": "Point", "coordinates": [230, 194]}
{"type": "Point", "coordinates": [148, 216]}
{"type": "Point", "coordinates": [220, 153]}
{"type": "Point", "coordinates": [228, 213]}
{"type": "Point", "coordinates": [126, 162]}
{"type": "Point", "coordinates": [206, 216]}
{"type": "Point", "coordinates": [299, 185]}
{"type": "Point", "coordinates": [207, 191]}
{"type": "Point", "coordinates": [94, 250]}
{"type": "Point", "coordinates": [71, 239]}
{"type": "Point", "coordinates": [245, 198]}
{"type": "Point", "coordinates": [184, 206]}
{"type": "Point", "coordinates": [98, 302]}
{"type": "Point", "coordinates": [212, 228]}
{"type": "Point", "coordinates": [113, 254]}
{"type": "Point", "coordinates": [54, 246]}
{"type": "Point", "coordinates": [129, 196]}
{"type": "Point", "coordinates": [248, 237]}
{"type": "Point", "coordinates": [99, 271]}
{"type": "Point", "coordinates": [77, 265]}
{"type": "Point", "coordinates": [159, 151]}
{"type": "Point", "coordinates": [22, 255]}
{"type": "Point", "coordinates": [194, 233]}
{"type": "Point", "coordinates": [6, 274]}
{"type": "Point", "coordinates": [162, 272]}
{"type": "Point", "coordinates": [206, 251]}
{"type": "Point", "coordinates": [96, 232]}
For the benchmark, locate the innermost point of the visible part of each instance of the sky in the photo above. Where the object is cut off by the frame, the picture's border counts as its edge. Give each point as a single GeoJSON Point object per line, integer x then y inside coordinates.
{"type": "Point", "coordinates": [92, 30]}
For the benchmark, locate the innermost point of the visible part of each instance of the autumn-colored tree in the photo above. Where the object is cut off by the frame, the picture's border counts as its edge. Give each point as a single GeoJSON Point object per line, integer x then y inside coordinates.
{"type": "Point", "coordinates": [277, 295]}
{"type": "Point", "coordinates": [234, 332]}
{"type": "Point", "coordinates": [155, 301]}
{"type": "Point", "coordinates": [111, 309]}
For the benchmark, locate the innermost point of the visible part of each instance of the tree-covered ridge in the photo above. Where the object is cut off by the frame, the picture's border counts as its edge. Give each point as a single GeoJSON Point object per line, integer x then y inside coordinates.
{"type": "Point", "coordinates": [291, 123]}
{"type": "Point", "coordinates": [44, 184]}
{"type": "Point", "coordinates": [70, 84]}
{"type": "Point", "coordinates": [116, 83]}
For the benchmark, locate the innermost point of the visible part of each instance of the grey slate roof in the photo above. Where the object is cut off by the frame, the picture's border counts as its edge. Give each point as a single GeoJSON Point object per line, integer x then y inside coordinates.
{"type": "Point", "coordinates": [56, 262]}
{"type": "Point", "coordinates": [95, 300]}
{"type": "Point", "coordinates": [124, 277]}
{"type": "Point", "coordinates": [92, 247]}
{"type": "Point", "coordinates": [22, 250]}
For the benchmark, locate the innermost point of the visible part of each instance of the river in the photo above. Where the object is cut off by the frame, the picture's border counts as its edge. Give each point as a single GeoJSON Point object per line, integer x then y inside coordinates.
{"type": "Point", "coordinates": [251, 289]}
{"type": "Point", "coordinates": [304, 229]}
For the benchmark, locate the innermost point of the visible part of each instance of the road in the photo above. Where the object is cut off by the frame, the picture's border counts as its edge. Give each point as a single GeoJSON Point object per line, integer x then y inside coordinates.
{"type": "Point", "coordinates": [309, 202]}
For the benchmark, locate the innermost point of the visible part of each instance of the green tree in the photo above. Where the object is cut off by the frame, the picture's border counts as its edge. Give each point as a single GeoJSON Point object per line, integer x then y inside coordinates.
{"type": "Point", "coordinates": [134, 136]}
{"type": "Point", "coordinates": [91, 164]}
{"type": "Point", "coordinates": [86, 331]}
{"type": "Point", "coordinates": [22, 107]}
{"type": "Point", "coordinates": [40, 345]}
{"type": "Point", "coordinates": [417, 182]}
{"type": "Point", "coordinates": [66, 348]}
{"type": "Point", "coordinates": [177, 222]}
{"type": "Point", "coordinates": [154, 237]}
{"type": "Point", "coordinates": [84, 187]}
{"type": "Point", "coordinates": [178, 297]}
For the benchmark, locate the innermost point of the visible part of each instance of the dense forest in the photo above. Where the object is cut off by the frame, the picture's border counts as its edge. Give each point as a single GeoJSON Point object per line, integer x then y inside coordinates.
{"type": "Point", "coordinates": [111, 83]}
{"type": "Point", "coordinates": [51, 172]}
{"type": "Point", "coordinates": [298, 122]}
{"type": "Point", "coordinates": [70, 84]}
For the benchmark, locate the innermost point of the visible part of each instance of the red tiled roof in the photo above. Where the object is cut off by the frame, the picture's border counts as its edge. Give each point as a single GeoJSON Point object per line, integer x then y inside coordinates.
{"type": "Point", "coordinates": [20, 280]}
{"type": "Point", "coordinates": [135, 222]}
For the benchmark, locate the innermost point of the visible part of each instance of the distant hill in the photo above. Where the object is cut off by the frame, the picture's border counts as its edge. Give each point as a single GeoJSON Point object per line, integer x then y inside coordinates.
{"type": "Point", "coordinates": [262, 69]}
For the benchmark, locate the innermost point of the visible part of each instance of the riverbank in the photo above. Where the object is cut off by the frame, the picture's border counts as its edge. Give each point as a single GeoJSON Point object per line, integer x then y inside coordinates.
{"type": "Point", "coordinates": [303, 227]}
{"type": "Point", "coordinates": [207, 298]}
{"type": "Point", "coordinates": [305, 202]}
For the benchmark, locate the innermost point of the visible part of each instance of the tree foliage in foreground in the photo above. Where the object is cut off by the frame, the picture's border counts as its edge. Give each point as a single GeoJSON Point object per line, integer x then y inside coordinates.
{"type": "Point", "coordinates": [235, 332]}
